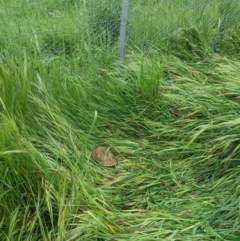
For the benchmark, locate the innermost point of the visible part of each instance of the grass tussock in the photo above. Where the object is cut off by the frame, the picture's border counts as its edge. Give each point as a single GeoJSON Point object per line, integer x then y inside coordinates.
{"type": "Point", "coordinates": [171, 114]}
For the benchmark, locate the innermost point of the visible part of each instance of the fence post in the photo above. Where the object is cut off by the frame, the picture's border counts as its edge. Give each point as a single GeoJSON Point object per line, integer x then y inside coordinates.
{"type": "Point", "coordinates": [123, 29]}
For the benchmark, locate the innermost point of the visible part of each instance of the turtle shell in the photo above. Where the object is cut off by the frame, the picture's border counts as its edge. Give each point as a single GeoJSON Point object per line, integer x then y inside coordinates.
{"type": "Point", "coordinates": [104, 156]}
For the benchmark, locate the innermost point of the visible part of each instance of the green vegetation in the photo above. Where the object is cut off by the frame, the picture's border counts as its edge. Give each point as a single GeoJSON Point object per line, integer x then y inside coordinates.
{"type": "Point", "coordinates": [171, 111]}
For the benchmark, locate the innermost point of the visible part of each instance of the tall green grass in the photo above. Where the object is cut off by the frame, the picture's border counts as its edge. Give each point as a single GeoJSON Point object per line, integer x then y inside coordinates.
{"type": "Point", "coordinates": [171, 116]}
{"type": "Point", "coordinates": [88, 29]}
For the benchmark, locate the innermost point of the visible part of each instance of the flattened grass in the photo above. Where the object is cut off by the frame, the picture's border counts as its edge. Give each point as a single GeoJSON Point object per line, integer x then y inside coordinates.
{"type": "Point", "coordinates": [173, 122]}
{"type": "Point", "coordinates": [172, 118]}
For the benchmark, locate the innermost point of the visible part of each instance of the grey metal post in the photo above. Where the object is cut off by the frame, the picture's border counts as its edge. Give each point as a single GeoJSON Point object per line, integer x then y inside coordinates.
{"type": "Point", "coordinates": [123, 28]}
